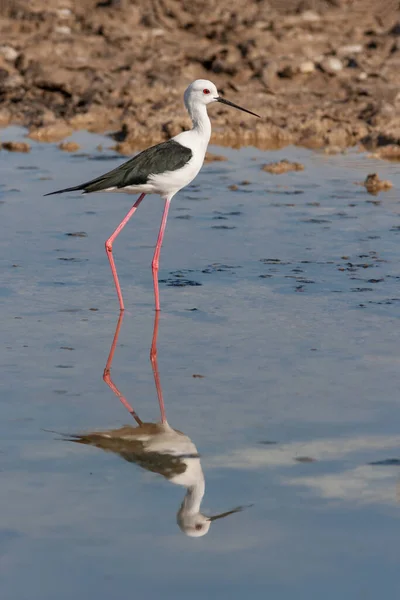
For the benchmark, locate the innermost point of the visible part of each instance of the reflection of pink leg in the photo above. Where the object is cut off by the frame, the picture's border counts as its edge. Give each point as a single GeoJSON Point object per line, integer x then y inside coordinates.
{"type": "Point", "coordinates": [107, 372]}
{"type": "Point", "coordinates": [156, 257]}
{"type": "Point", "coordinates": [154, 364]}
{"type": "Point", "coordinates": [109, 244]}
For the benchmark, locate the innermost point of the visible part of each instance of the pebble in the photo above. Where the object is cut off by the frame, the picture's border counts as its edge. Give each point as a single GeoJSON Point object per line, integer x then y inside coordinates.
{"type": "Point", "coordinates": [331, 65]}
{"type": "Point", "coordinates": [282, 166]}
{"type": "Point", "coordinates": [350, 49]}
{"type": "Point", "coordinates": [51, 133]}
{"type": "Point", "coordinates": [16, 146]}
{"type": "Point", "coordinates": [307, 67]}
{"type": "Point", "coordinates": [374, 184]}
{"type": "Point", "coordinates": [64, 13]}
{"type": "Point", "coordinates": [310, 16]}
{"type": "Point", "coordinates": [63, 30]}
{"type": "Point", "coordinates": [9, 53]}
{"type": "Point", "coordinates": [69, 146]}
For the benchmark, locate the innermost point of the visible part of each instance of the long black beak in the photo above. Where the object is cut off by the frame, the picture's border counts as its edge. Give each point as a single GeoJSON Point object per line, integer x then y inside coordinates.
{"type": "Point", "coordinates": [228, 103]}
{"type": "Point", "coordinates": [229, 512]}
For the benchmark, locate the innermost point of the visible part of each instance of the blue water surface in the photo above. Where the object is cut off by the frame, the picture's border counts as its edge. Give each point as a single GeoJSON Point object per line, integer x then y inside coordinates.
{"type": "Point", "coordinates": [294, 329]}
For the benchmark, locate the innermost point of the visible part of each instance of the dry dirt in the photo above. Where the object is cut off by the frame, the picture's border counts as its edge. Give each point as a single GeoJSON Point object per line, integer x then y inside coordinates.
{"type": "Point", "coordinates": [322, 73]}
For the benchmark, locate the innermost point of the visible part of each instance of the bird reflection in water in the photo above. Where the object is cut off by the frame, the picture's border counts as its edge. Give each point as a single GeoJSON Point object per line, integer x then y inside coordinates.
{"type": "Point", "coordinates": [158, 448]}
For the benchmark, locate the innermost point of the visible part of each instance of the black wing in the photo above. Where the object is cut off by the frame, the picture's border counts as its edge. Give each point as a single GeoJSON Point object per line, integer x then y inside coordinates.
{"type": "Point", "coordinates": [167, 156]}
{"type": "Point", "coordinates": [133, 451]}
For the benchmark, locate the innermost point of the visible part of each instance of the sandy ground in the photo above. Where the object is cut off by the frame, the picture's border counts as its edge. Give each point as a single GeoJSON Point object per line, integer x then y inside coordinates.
{"type": "Point", "coordinates": [321, 73]}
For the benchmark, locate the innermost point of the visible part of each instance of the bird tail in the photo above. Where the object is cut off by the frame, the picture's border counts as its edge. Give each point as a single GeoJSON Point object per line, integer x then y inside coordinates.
{"type": "Point", "coordinates": [92, 438]}
{"type": "Point", "coordinates": [65, 436]}
{"type": "Point", "coordinates": [76, 188]}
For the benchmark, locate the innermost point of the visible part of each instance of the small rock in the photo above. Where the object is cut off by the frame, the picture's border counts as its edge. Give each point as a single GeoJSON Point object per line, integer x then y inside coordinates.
{"type": "Point", "coordinates": [307, 67]}
{"type": "Point", "coordinates": [362, 76]}
{"type": "Point", "coordinates": [282, 166]}
{"type": "Point", "coordinates": [63, 30]}
{"type": "Point", "coordinates": [374, 185]}
{"type": "Point", "coordinates": [9, 53]}
{"type": "Point", "coordinates": [310, 16]}
{"type": "Point", "coordinates": [233, 187]}
{"type": "Point", "coordinates": [350, 49]}
{"type": "Point", "coordinates": [16, 146]}
{"type": "Point", "coordinates": [331, 65]}
{"type": "Point", "coordinates": [63, 13]}
{"type": "Point", "coordinates": [51, 133]}
{"type": "Point", "coordinates": [69, 146]}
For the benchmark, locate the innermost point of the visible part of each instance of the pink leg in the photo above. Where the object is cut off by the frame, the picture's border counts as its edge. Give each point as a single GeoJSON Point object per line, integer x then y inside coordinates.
{"type": "Point", "coordinates": [154, 364]}
{"type": "Point", "coordinates": [156, 257]}
{"type": "Point", "coordinates": [109, 244]}
{"type": "Point", "coordinates": [107, 372]}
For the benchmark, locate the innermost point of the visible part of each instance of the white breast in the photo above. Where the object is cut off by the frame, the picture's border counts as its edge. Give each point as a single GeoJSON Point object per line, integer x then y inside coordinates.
{"type": "Point", "coordinates": [170, 182]}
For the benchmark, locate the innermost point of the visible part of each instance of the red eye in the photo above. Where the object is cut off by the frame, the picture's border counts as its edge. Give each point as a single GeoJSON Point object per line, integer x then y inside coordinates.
{"type": "Point", "coordinates": [206, 91]}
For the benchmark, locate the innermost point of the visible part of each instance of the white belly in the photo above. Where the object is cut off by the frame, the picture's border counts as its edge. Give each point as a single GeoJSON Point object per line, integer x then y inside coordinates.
{"type": "Point", "coordinates": [169, 183]}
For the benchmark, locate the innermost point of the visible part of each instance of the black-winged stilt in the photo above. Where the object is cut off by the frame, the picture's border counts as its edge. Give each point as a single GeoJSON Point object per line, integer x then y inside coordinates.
{"type": "Point", "coordinates": [163, 169]}
{"type": "Point", "coordinates": [158, 448]}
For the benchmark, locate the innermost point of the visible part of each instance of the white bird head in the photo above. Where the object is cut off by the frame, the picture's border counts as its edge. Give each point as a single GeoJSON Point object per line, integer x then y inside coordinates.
{"type": "Point", "coordinates": [203, 92]}
{"type": "Point", "coordinates": [197, 524]}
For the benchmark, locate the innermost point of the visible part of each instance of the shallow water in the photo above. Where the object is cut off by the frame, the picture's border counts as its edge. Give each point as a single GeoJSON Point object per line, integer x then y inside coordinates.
{"type": "Point", "coordinates": [290, 313]}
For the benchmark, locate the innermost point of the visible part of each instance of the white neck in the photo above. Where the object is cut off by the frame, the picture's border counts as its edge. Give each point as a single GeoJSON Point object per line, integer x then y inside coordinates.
{"type": "Point", "coordinates": [194, 495]}
{"type": "Point", "coordinates": [200, 120]}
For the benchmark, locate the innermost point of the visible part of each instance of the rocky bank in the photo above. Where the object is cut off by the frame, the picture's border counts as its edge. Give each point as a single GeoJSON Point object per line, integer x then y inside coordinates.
{"type": "Point", "coordinates": [321, 73]}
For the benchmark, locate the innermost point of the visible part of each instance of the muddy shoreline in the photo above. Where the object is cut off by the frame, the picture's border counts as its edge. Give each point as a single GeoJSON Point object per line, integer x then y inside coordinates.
{"type": "Point", "coordinates": [323, 74]}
